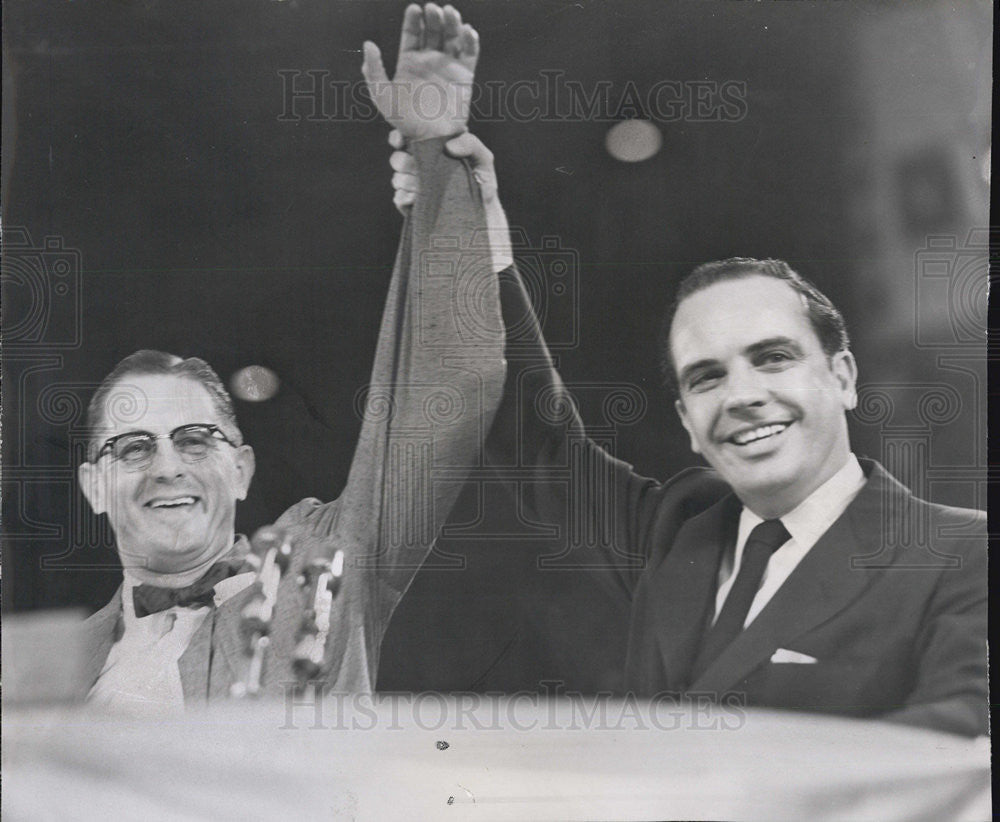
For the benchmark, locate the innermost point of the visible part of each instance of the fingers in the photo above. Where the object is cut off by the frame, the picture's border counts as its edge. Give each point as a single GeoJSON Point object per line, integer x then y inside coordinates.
{"type": "Point", "coordinates": [404, 162]}
{"type": "Point", "coordinates": [441, 29]}
{"type": "Point", "coordinates": [465, 145]}
{"type": "Point", "coordinates": [405, 181]}
{"type": "Point", "coordinates": [468, 145]}
{"type": "Point", "coordinates": [469, 47]}
{"type": "Point", "coordinates": [412, 38]}
{"type": "Point", "coordinates": [372, 68]}
{"type": "Point", "coordinates": [433, 27]}
{"type": "Point", "coordinates": [470, 41]}
{"type": "Point", "coordinates": [451, 37]}
{"type": "Point", "coordinates": [403, 200]}
{"type": "Point", "coordinates": [396, 139]}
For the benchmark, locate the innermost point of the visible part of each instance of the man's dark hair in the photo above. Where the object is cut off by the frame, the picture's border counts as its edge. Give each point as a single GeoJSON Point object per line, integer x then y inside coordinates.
{"type": "Point", "coordinates": [148, 361]}
{"type": "Point", "coordinates": [826, 320]}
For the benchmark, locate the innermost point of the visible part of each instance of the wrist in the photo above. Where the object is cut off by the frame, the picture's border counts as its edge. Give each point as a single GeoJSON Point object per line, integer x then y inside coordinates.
{"type": "Point", "coordinates": [445, 136]}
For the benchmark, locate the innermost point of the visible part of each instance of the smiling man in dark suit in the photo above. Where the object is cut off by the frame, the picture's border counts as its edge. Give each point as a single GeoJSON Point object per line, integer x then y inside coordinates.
{"type": "Point", "coordinates": [810, 607]}
{"type": "Point", "coordinates": [789, 574]}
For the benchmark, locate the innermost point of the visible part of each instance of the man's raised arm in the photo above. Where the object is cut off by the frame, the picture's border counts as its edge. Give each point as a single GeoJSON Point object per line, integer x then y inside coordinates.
{"type": "Point", "coordinates": [599, 505]}
{"type": "Point", "coordinates": [438, 369]}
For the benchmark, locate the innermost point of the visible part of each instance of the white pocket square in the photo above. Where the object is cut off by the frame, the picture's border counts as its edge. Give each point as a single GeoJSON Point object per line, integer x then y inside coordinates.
{"type": "Point", "coordinates": [784, 655]}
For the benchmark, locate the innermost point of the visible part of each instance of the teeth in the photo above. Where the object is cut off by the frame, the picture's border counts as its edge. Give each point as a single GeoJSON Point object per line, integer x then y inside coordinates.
{"type": "Point", "coordinates": [755, 434]}
{"type": "Point", "coordinates": [172, 503]}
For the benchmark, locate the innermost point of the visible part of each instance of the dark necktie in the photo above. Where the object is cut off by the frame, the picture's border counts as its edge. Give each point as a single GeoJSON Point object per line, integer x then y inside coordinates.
{"type": "Point", "coordinates": [151, 599]}
{"type": "Point", "coordinates": [763, 541]}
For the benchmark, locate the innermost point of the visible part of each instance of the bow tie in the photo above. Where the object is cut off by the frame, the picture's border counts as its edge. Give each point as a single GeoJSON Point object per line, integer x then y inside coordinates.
{"type": "Point", "coordinates": [152, 599]}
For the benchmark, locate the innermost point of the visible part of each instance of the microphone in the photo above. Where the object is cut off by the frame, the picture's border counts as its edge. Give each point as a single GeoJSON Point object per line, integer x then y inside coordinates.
{"type": "Point", "coordinates": [320, 580]}
{"type": "Point", "coordinates": [270, 555]}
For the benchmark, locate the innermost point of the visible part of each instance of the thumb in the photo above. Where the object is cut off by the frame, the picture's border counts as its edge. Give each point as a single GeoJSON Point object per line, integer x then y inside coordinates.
{"type": "Point", "coordinates": [470, 146]}
{"type": "Point", "coordinates": [372, 67]}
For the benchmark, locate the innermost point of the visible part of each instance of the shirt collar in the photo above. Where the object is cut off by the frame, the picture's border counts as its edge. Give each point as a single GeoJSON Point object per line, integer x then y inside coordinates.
{"type": "Point", "coordinates": [812, 517]}
{"type": "Point", "coordinates": [224, 590]}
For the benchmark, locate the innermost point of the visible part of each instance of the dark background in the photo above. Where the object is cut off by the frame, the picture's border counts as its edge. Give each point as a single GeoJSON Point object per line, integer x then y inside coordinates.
{"type": "Point", "coordinates": [146, 141]}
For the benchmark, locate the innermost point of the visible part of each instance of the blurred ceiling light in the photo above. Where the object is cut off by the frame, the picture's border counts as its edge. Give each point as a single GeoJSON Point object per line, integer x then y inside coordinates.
{"type": "Point", "coordinates": [255, 383]}
{"type": "Point", "coordinates": [633, 141]}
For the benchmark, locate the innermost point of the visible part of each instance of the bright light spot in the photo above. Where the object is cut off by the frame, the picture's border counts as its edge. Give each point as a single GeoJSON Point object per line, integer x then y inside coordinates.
{"type": "Point", "coordinates": [255, 383]}
{"type": "Point", "coordinates": [633, 141]}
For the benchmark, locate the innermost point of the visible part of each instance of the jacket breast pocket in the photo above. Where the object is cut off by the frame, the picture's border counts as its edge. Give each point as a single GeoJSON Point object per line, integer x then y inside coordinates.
{"type": "Point", "coordinates": [856, 686]}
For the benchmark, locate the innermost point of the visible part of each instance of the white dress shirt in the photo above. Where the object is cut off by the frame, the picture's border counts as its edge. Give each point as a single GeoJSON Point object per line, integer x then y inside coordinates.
{"type": "Point", "coordinates": [806, 524]}
{"type": "Point", "coordinates": [140, 676]}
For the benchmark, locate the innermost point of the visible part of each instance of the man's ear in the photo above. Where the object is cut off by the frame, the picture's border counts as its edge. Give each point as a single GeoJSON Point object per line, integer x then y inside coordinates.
{"type": "Point", "coordinates": [682, 413]}
{"type": "Point", "coordinates": [92, 486]}
{"type": "Point", "coordinates": [245, 463]}
{"type": "Point", "coordinates": [845, 371]}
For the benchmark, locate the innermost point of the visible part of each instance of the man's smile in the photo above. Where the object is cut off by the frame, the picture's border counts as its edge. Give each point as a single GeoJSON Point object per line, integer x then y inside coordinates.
{"type": "Point", "coordinates": [179, 502]}
{"type": "Point", "coordinates": [746, 436]}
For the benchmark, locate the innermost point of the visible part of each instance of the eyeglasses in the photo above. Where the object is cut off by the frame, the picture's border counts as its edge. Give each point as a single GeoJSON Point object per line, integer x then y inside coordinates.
{"type": "Point", "coordinates": [135, 450]}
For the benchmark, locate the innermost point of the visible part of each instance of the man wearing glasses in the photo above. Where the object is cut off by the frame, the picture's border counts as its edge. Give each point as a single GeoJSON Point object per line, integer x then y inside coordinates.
{"type": "Point", "coordinates": [167, 462]}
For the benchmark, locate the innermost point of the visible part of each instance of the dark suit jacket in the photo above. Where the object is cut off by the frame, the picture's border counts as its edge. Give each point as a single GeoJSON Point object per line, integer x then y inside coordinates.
{"type": "Point", "coordinates": [432, 397]}
{"type": "Point", "coordinates": [891, 601]}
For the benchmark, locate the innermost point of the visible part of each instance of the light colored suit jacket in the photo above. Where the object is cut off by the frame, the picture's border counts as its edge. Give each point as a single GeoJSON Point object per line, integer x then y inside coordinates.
{"type": "Point", "coordinates": [436, 381]}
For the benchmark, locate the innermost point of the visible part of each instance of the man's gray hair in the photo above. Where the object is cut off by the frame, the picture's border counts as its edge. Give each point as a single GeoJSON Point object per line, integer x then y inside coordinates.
{"type": "Point", "coordinates": [148, 361]}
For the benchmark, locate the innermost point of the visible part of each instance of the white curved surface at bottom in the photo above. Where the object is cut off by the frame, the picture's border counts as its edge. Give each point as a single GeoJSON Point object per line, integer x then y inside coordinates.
{"type": "Point", "coordinates": [429, 756]}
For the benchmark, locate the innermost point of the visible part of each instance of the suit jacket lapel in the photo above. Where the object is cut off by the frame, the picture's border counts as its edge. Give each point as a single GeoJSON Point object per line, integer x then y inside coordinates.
{"type": "Point", "coordinates": [214, 657]}
{"type": "Point", "coordinates": [100, 632]}
{"type": "Point", "coordinates": [824, 583]}
{"type": "Point", "coordinates": [193, 663]}
{"type": "Point", "coordinates": [211, 660]}
{"type": "Point", "coordinates": [690, 576]}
